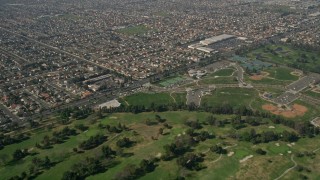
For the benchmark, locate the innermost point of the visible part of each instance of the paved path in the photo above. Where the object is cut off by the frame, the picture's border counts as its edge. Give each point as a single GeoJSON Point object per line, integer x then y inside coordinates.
{"type": "Point", "coordinates": [217, 159]}
{"type": "Point", "coordinates": [174, 100]}
{"type": "Point", "coordinates": [288, 170]}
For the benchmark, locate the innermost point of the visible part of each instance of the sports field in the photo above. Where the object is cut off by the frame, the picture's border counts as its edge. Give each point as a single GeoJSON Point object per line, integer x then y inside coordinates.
{"type": "Point", "coordinates": [231, 96]}
{"type": "Point", "coordinates": [273, 76]}
{"type": "Point", "coordinates": [171, 81]}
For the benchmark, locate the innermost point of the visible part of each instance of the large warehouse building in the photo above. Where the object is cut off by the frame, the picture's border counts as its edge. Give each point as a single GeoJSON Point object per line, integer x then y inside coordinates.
{"type": "Point", "coordinates": [205, 45]}
{"type": "Point", "coordinates": [216, 39]}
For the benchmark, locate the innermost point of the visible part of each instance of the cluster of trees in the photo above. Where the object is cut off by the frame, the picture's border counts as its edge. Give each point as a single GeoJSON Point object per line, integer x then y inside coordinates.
{"type": "Point", "coordinates": [191, 161]}
{"type": "Point", "coordinates": [35, 168]}
{"type": "Point", "coordinates": [265, 137]}
{"type": "Point", "coordinates": [75, 112]}
{"type": "Point", "coordinates": [305, 153]}
{"type": "Point", "coordinates": [253, 117]}
{"type": "Point", "coordinates": [124, 142]}
{"type": "Point", "coordinates": [218, 149]}
{"type": "Point", "coordinates": [194, 124]}
{"type": "Point", "coordinates": [134, 172]}
{"type": "Point", "coordinates": [117, 129]}
{"type": "Point", "coordinates": [155, 121]}
{"type": "Point", "coordinates": [81, 113]}
{"type": "Point", "coordinates": [92, 165]}
{"type": "Point", "coordinates": [180, 146]}
{"type": "Point", "coordinates": [8, 139]}
{"type": "Point", "coordinates": [261, 151]}
{"type": "Point", "coordinates": [19, 154]}
{"type": "Point", "coordinates": [199, 136]}
{"type": "Point", "coordinates": [93, 142]}
{"type": "Point", "coordinates": [58, 137]}
{"type": "Point", "coordinates": [81, 127]}
{"type": "Point", "coordinates": [107, 152]}
{"type": "Point", "coordinates": [88, 167]}
{"type": "Point", "coordinates": [304, 128]}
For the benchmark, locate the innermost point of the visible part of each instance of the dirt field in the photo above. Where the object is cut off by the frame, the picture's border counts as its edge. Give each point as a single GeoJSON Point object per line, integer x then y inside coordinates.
{"type": "Point", "coordinates": [258, 77]}
{"type": "Point", "coordinates": [296, 110]}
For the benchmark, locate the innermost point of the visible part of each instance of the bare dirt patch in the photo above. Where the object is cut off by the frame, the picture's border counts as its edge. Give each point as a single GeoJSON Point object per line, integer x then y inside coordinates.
{"type": "Point", "coordinates": [316, 90]}
{"type": "Point", "coordinates": [316, 122]}
{"type": "Point", "coordinates": [294, 111]}
{"type": "Point", "coordinates": [258, 77]}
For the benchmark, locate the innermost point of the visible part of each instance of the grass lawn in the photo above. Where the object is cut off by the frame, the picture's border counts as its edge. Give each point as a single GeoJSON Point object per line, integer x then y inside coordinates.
{"type": "Point", "coordinates": [266, 81]}
{"type": "Point", "coordinates": [170, 81]}
{"type": "Point", "coordinates": [147, 99]}
{"type": "Point", "coordinates": [232, 96]}
{"type": "Point", "coordinates": [223, 72]}
{"type": "Point", "coordinates": [313, 94]}
{"type": "Point", "coordinates": [218, 80]}
{"type": "Point", "coordinates": [281, 73]}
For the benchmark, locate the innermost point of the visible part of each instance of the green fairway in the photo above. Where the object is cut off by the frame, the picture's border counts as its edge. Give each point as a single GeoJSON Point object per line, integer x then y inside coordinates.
{"type": "Point", "coordinates": [216, 166]}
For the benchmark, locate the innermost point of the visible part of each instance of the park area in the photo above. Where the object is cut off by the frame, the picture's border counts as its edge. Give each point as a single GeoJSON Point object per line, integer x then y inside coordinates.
{"type": "Point", "coordinates": [287, 55]}
{"type": "Point", "coordinates": [238, 159]}
{"type": "Point", "coordinates": [274, 76]}
{"type": "Point", "coordinates": [223, 76]}
{"type": "Point", "coordinates": [234, 97]}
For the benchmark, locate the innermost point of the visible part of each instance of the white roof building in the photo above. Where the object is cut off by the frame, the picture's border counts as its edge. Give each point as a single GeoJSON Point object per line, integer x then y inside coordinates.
{"type": "Point", "coordinates": [110, 104]}
{"type": "Point", "coordinates": [215, 39]}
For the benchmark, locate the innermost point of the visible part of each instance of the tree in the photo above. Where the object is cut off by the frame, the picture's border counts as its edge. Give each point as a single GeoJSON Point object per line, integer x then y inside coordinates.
{"type": "Point", "coordinates": [190, 161]}
{"type": "Point", "coordinates": [108, 152]}
{"type": "Point", "coordinates": [19, 154]}
{"type": "Point", "coordinates": [124, 142]}
{"type": "Point", "coordinates": [46, 162]}
{"type": "Point", "coordinates": [218, 149]}
{"type": "Point", "coordinates": [211, 120]}
{"type": "Point", "coordinates": [261, 152]}
{"type": "Point", "coordinates": [160, 131]}
{"type": "Point", "coordinates": [147, 165]}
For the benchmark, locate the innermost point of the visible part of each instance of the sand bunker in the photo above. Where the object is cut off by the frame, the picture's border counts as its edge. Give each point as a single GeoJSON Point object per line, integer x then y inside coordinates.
{"type": "Point", "coordinates": [246, 158]}
{"type": "Point", "coordinates": [296, 110]}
